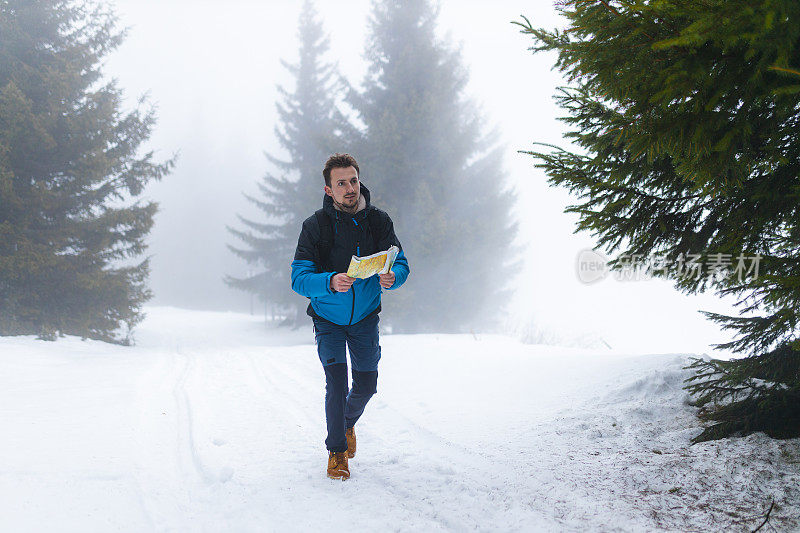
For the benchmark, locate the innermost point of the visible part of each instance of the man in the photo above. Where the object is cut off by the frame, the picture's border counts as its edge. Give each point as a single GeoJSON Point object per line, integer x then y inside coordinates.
{"type": "Point", "coordinates": [344, 309]}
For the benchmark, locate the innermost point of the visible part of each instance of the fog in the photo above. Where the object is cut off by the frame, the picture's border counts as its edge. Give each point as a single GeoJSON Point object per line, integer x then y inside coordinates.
{"type": "Point", "coordinates": [212, 68]}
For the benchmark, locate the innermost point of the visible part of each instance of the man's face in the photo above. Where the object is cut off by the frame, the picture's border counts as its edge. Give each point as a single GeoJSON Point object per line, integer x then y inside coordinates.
{"type": "Point", "coordinates": [345, 188]}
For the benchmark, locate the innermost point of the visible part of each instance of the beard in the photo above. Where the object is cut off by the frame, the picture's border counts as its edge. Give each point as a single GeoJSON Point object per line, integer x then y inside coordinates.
{"type": "Point", "coordinates": [348, 204]}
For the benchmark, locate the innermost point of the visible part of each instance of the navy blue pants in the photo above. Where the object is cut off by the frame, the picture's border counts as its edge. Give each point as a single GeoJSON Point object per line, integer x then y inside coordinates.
{"type": "Point", "coordinates": [343, 407]}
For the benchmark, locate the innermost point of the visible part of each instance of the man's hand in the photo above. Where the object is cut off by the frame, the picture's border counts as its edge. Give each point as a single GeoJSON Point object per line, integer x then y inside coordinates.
{"type": "Point", "coordinates": [387, 280]}
{"type": "Point", "coordinates": [341, 282]}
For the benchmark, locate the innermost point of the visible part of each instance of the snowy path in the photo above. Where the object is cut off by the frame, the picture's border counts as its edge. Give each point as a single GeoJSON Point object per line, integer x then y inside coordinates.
{"type": "Point", "coordinates": [212, 423]}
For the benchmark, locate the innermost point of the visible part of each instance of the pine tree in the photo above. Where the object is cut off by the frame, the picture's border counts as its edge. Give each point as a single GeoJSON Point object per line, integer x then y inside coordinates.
{"type": "Point", "coordinates": [688, 120]}
{"type": "Point", "coordinates": [431, 166]}
{"type": "Point", "coordinates": [69, 173]}
{"type": "Point", "coordinates": [311, 128]}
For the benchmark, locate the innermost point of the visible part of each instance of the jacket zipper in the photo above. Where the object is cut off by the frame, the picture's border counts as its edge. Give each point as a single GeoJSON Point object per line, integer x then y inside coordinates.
{"type": "Point", "coordinates": [353, 287]}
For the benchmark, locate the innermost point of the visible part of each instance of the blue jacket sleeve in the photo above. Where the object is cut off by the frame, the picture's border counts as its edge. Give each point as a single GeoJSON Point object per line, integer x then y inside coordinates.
{"type": "Point", "coordinates": [307, 279]}
{"type": "Point", "coordinates": [400, 269]}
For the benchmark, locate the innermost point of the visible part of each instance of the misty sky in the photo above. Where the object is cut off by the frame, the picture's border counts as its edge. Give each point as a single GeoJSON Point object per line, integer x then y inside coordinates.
{"type": "Point", "coordinates": [212, 68]}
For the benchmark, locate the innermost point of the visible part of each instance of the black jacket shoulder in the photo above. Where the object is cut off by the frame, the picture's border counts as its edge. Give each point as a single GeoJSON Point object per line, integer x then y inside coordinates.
{"type": "Point", "coordinates": [308, 241]}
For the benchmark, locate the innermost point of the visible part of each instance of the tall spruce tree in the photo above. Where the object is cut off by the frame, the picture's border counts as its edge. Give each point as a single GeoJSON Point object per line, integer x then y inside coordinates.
{"type": "Point", "coordinates": [311, 128]}
{"type": "Point", "coordinates": [688, 117]}
{"type": "Point", "coordinates": [69, 174]}
{"type": "Point", "coordinates": [430, 164]}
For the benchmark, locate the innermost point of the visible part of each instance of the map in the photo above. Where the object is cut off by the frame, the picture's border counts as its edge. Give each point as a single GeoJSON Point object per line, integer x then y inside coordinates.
{"type": "Point", "coordinates": [380, 263]}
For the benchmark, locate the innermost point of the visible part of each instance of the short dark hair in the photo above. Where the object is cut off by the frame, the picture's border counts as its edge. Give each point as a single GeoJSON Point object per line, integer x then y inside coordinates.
{"type": "Point", "coordinates": [338, 161]}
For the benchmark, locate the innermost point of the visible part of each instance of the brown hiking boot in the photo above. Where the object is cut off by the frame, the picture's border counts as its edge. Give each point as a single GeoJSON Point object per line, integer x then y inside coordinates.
{"type": "Point", "coordinates": [337, 465]}
{"type": "Point", "coordinates": [350, 434]}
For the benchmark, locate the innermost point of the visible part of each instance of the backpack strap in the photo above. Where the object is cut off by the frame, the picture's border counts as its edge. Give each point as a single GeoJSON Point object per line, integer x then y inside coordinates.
{"type": "Point", "coordinates": [325, 237]}
{"type": "Point", "coordinates": [376, 226]}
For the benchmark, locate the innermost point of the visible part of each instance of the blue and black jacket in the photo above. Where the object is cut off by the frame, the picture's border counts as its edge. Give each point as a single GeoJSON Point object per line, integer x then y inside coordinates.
{"type": "Point", "coordinates": [352, 235]}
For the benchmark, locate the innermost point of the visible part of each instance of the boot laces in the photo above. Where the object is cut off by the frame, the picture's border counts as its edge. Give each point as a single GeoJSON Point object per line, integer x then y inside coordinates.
{"type": "Point", "coordinates": [339, 458]}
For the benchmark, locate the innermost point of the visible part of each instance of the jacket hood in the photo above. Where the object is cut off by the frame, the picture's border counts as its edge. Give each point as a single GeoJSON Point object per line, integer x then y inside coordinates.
{"type": "Point", "coordinates": [329, 208]}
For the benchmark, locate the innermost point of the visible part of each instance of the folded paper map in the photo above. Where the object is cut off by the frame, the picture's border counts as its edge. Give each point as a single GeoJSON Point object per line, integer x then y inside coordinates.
{"type": "Point", "coordinates": [380, 263]}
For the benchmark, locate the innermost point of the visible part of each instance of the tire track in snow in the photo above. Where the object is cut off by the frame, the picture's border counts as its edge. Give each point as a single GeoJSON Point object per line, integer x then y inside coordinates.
{"type": "Point", "coordinates": [284, 398]}
{"type": "Point", "coordinates": [458, 480]}
{"type": "Point", "coordinates": [474, 473]}
{"type": "Point", "coordinates": [178, 485]}
{"type": "Point", "coordinates": [185, 418]}
{"type": "Point", "coordinates": [160, 471]}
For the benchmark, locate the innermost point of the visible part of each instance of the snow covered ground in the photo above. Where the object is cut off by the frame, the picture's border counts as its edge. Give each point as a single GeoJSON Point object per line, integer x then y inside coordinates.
{"type": "Point", "coordinates": [214, 423]}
